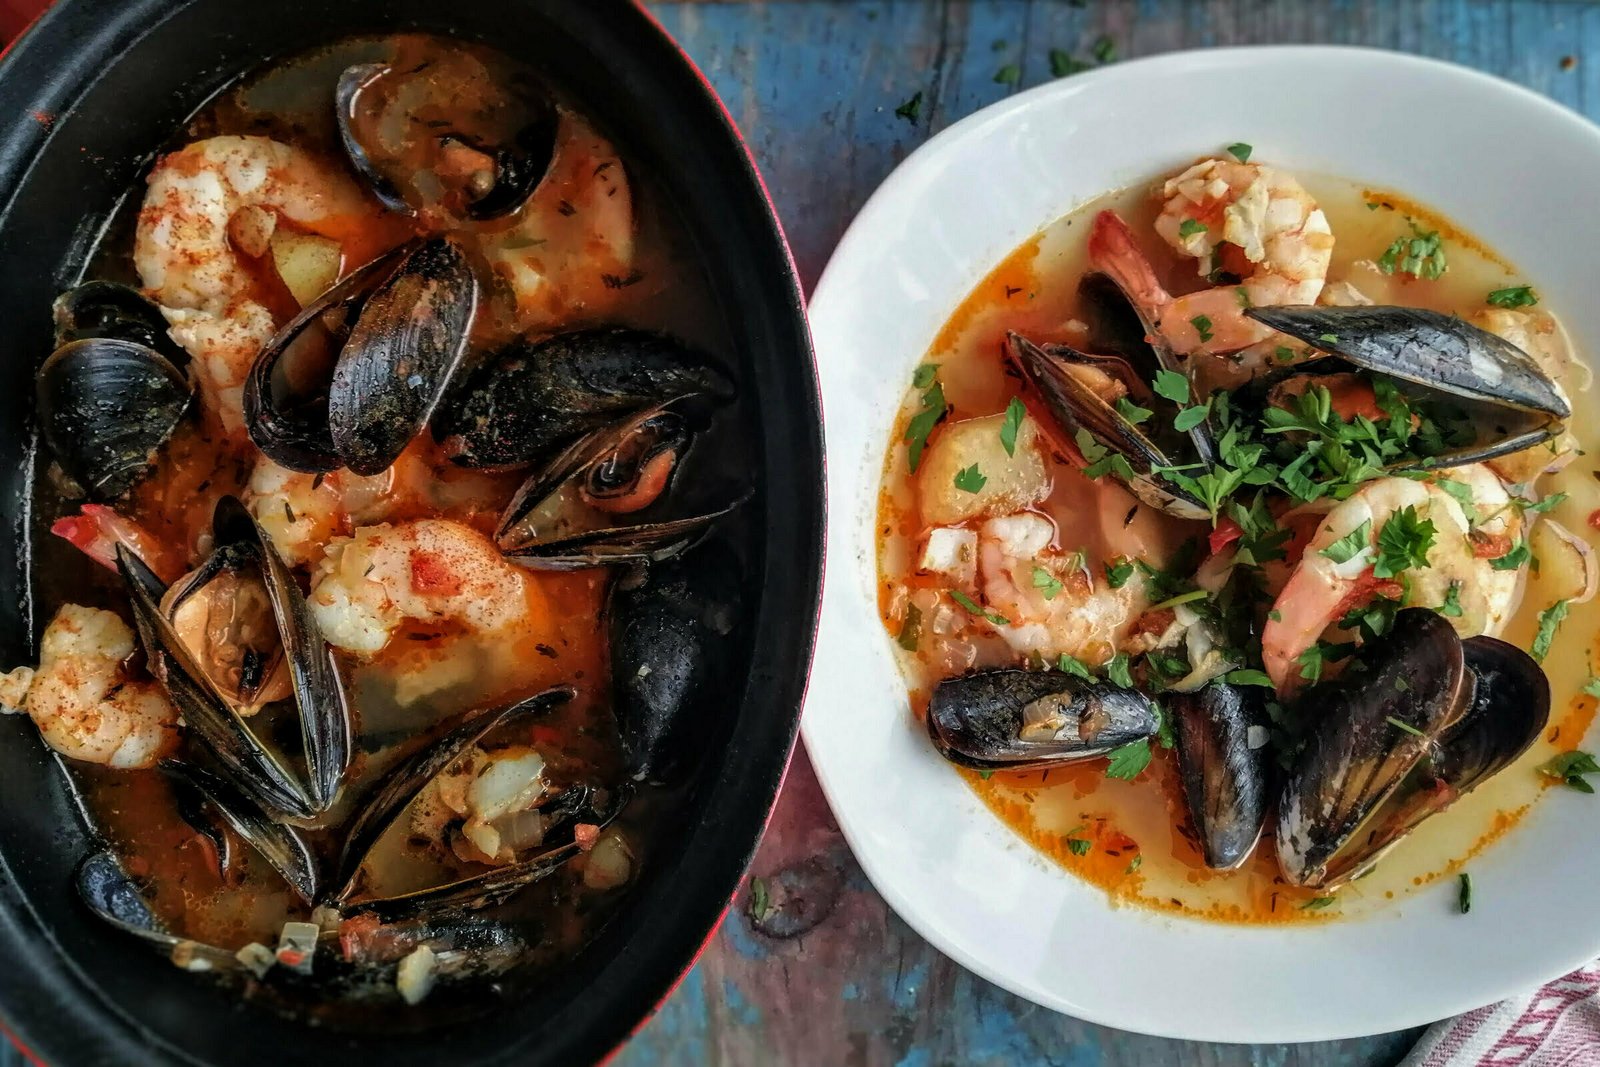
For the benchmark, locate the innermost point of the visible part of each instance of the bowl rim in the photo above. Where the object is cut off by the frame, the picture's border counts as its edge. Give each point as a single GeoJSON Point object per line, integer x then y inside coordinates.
{"type": "Point", "coordinates": [831, 298]}
{"type": "Point", "coordinates": [43, 73]}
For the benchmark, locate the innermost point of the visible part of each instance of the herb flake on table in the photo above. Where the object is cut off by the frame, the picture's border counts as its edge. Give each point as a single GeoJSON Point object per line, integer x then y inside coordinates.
{"type": "Point", "coordinates": [1010, 74]}
{"type": "Point", "coordinates": [760, 904]}
{"type": "Point", "coordinates": [1464, 893]}
{"type": "Point", "coordinates": [911, 110]}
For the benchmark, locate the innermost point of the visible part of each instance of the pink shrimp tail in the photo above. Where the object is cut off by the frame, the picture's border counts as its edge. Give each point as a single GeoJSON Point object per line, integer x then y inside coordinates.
{"type": "Point", "coordinates": [98, 530]}
{"type": "Point", "coordinates": [1114, 251]}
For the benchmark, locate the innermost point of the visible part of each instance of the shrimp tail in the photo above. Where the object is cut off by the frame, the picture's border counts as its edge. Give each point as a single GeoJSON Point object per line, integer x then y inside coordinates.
{"type": "Point", "coordinates": [1114, 251]}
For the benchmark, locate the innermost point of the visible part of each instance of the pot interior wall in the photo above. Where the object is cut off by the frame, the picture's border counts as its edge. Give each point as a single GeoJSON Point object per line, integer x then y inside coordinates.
{"type": "Point", "coordinates": [85, 98]}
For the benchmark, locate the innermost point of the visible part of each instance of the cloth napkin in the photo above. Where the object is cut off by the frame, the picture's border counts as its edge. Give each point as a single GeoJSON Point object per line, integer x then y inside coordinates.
{"type": "Point", "coordinates": [1557, 1025]}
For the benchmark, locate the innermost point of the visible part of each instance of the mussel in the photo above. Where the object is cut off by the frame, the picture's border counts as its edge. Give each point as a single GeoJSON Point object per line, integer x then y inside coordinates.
{"type": "Point", "coordinates": [532, 398]}
{"type": "Point", "coordinates": [1018, 719]}
{"type": "Point", "coordinates": [190, 676]}
{"type": "Point", "coordinates": [1080, 391]}
{"type": "Point", "coordinates": [114, 390]}
{"type": "Point", "coordinates": [354, 395]}
{"type": "Point", "coordinates": [1418, 719]}
{"type": "Point", "coordinates": [671, 624]}
{"type": "Point", "coordinates": [1220, 735]}
{"type": "Point", "coordinates": [420, 146]}
{"type": "Point", "coordinates": [105, 888]}
{"type": "Point", "coordinates": [1510, 402]}
{"type": "Point", "coordinates": [606, 499]}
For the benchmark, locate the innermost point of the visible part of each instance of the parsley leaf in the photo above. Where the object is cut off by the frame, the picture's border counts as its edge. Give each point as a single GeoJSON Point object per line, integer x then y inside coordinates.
{"type": "Point", "coordinates": [1403, 542]}
{"type": "Point", "coordinates": [1519, 554]}
{"type": "Point", "coordinates": [1464, 893]}
{"type": "Point", "coordinates": [970, 479]}
{"type": "Point", "coordinates": [1420, 255]}
{"type": "Point", "coordinates": [1549, 620]}
{"type": "Point", "coordinates": [1318, 903]}
{"type": "Point", "coordinates": [1131, 411]}
{"type": "Point", "coordinates": [1351, 544]}
{"type": "Point", "coordinates": [1248, 677]}
{"type": "Point", "coordinates": [1135, 863]}
{"type": "Point", "coordinates": [1592, 687]}
{"type": "Point", "coordinates": [1190, 227]}
{"type": "Point", "coordinates": [1172, 385]}
{"type": "Point", "coordinates": [1202, 324]}
{"type": "Point", "coordinates": [924, 375]}
{"type": "Point", "coordinates": [1539, 507]}
{"type": "Point", "coordinates": [911, 110]}
{"type": "Point", "coordinates": [1015, 411]}
{"type": "Point", "coordinates": [1118, 572]}
{"type": "Point", "coordinates": [911, 628]}
{"type": "Point", "coordinates": [1079, 846]}
{"type": "Point", "coordinates": [923, 422]}
{"type": "Point", "coordinates": [1047, 584]}
{"type": "Point", "coordinates": [1240, 151]}
{"type": "Point", "coordinates": [1516, 296]}
{"type": "Point", "coordinates": [1062, 64]}
{"type": "Point", "coordinates": [1401, 724]}
{"type": "Point", "coordinates": [1189, 418]}
{"type": "Point", "coordinates": [1570, 768]}
{"type": "Point", "coordinates": [1104, 50]}
{"type": "Point", "coordinates": [1127, 761]}
{"type": "Point", "coordinates": [1071, 665]}
{"type": "Point", "coordinates": [760, 905]}
{"type": "Point", "coordinates": [1451, 608]}
{"type": "Point", "coordinates": [1010, 74]}
{"type": "Point", "coordinates": [977, 609]}
{"type": "Point", "coordinates": [1117, 671]}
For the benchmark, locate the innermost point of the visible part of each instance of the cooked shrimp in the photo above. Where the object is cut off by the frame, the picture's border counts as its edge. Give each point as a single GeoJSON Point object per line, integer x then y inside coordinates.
{"type": "Point", "coordinates": [1255, 222]}
{"type": "Point", "coordinates": [81, 698]}
{"type": "Point", "coordinates": [570, 251]}
{"type": "Point", "coordinates": [491, 798]}
{"type": "Point", "coordinates": [98, 530]}
{"type": "Point", "coordinates": [1542, 338]}
{"type": "Point", "coordinates": [1320, 590]}
{"type": "Point", "coordinates": [208, 206]}
{"type": "Point", "coordinates": [431, 569]}
{"type": "Point", "coordinates": [1018, 574]}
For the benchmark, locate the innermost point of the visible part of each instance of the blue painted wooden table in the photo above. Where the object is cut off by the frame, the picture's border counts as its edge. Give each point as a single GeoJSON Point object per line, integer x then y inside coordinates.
{"type": "Point", "coordinates": [827, 975]}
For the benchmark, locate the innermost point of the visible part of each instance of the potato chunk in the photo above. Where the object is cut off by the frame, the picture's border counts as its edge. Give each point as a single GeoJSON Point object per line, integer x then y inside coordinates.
{"type": "Point", "coordinates": [1012, 482]}
{"type": "Point", "coordinates": [308, 265]}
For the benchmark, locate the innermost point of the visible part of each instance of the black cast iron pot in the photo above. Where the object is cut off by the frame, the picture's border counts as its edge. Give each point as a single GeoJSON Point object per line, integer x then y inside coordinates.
{"type": "Point", "coordinates": [86, 97]}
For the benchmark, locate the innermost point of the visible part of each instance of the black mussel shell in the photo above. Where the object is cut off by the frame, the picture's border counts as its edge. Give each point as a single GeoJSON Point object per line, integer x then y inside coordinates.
{"type": "Point", "coordinates": [280, 844]}
{"type": "Point", "coordinates": [1509, 709]}
{"type": "Point", "coordinates": [106, 309]}
{"type": "Point", "coordinates": [400, 786]}
{"type": "Point", "coordinates": [1114, 325]}
{"type": "Point", "coordinates": [670, 631]}
{"type": "Point", "coordinates": [401, 355]}
{"type": "Point", "coordinates": [1073, 406]}
{"type": "Point", "coordinates": [1225, 775]}
{"type": "Point", "coordinates": [106, 407]}
{"type": "Point", "coordinates": [1016, 719]}
{"type": "Point", "coordinates": [520, 162]}
{"type": "Point", "coordinates": [1424, 347]}
{"type": "Point", "coordinates": [1374, 724]}
{"type": "Point", "coordinates": [533, 397]}
{"type": "Point", "coordinates": [105, 888]}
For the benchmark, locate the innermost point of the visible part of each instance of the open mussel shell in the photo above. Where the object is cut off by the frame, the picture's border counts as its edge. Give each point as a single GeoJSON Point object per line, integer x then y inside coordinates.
{"type": "Point", "coordinates": [281, 845]}
{"type": "Point", "coordinates": [1073, 405]}
{"type": "Point", "coordinates": [319, 696]}
{"type": "Point", "coordinates": [107, 309]}
{"type": "Point", "coordinates": [1018, 719]}
{"type": "Point", "coordinates": [223, 613]}
{"type": "Point", "coordinates": [400, 786]}
{"type": "Point", "coordinates": [1220, 735]}
{"type": "Point", "coordinates": [1489, 378]}
{"type": "Point", "coordinates": [532, 398]}
{"type": "Point", "coordinates": [105, 888]}
{"type": "Point", "coordinates": [401, 355]}
{"type": "Point", "coordinates": [671, 625]}
{"type": "Point", "coordinates": [519, 161]}
{"type": "Point", "coordinates": [1417, 720]}
{"type": "Point", "coordinates": [106, 407]}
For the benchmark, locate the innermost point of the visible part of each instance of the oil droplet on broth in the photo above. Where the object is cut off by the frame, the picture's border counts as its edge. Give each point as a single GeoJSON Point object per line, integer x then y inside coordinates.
{"type": "Point", "coordinates": [1139, 849]}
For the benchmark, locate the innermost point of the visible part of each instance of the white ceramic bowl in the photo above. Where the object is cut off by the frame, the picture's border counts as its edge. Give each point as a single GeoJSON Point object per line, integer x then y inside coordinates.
{"type": "Point", "coordinates": [1511, 166]}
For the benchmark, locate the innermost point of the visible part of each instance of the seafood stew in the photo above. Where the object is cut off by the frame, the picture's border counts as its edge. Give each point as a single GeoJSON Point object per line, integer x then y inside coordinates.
{"type": "Point", "coordinates": [514, 648]}
{"type": "Point", "coordinates": [1236, 526]}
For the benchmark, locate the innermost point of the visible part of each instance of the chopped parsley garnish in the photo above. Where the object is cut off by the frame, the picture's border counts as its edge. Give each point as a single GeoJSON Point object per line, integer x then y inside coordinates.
{"type": "Point", "coordinates": [1311, 661]}
{"type": "Point", "coordinates": [1420, 255]}
{"type": "Point", "coordinates": [1328, 338]}
{"type": "Point", "coordinates": [1071, 665]}
{"type": "Point", "coordinates": [1519, 554]}
{"type": "Point", "coordinates": [1131, 411]}
{"type": "Point", "coordinates": [924, 375]}
{"type": "Point", "coordinates": [1401, 724]}
{"type": "Point", "coordinates": [1461, 491]}
{"type": "Point", "coordinates": [1569, 768]}
{"type": "Point", "coordinates": [1373, 619]}
{"type": "Point", "coordinates": [1062, 64]}
{"type": "Point", "coordinates": [1010, 74]}
{"type": "Point", "coordinates": [1189, 418]}
{"type": "Point", "coordinates": [1104, 50]}
{"type": "Point", "coordinates": [1182, 598]}
{"type": "Point", "coordinates": [1135, 863]}
{"type": "Point", "coordinates": [911, 110]}
{"type": "Point", "coordinates": [1118, 572]}
{"type": "Point", "coordinates": [1351, 544]}
{"type": "Point", "coordinates": [1516, 296]}
{"type": "Point", "coordinates": [1172, 385]}
{"type": "Point", "coordinates": [911, 628]}
{"type": "Point", "coordinates": [1241, 294]}
{"type": "Point", "coordinates": [1079, 846]}
{"type": "Point", "coordinates": [1202, 325]}
{"type": "Point", "coordinates": [1009, 426]}
{"type": "Point", "coordinates": [923, 422]}
{"type": "Point", "coordinates": [1550, 619]}
{"type": "Point", "coordinates": [970, 479]}
{"type": "Point", "coordinates": [1318, 903]}
{"type": "Point", "coordinates": [1189, 227]}
{"type": "Point", "coordinates": [1283, 353]}
{"type": "Point", "coordinates": [1240, 151]}
{"type": "Point", "coordinates": [1464, 893]}
{"type": "Point", "coordinates": [1248, 677]}
{"type": "Point", "coordinates": [1047, 584]}
{"type": "Point", "coordinates": [1539, 507]}
{"type": "Point", "coordinates": [1127, 761]}
{"type": "Point", "coordinates": [1403, 542]}
{"type": "Point", "coordinates": [1117, 671]}
{"type": "Point", "coordinates": [760, 904]}
{"type": "Point", "coordinates": [1451, 607]}
{"type": "Point", "coordinates": [1592, 687]}
{"type": "Point", "coordinates": [977, 609]}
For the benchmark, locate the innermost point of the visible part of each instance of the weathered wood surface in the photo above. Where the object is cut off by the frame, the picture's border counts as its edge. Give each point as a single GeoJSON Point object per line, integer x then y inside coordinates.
{"type": "Point", "coordinates": [814, 84]}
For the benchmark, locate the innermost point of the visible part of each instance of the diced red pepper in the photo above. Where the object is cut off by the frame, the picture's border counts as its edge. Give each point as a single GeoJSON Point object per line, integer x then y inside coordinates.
{"type": "Point", "coordinates": [1224, 534]}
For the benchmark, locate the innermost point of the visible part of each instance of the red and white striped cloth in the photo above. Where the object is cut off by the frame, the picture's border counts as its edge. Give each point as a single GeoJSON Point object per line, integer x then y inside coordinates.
{"type": "Point", "coordinates": [1555, 1026]}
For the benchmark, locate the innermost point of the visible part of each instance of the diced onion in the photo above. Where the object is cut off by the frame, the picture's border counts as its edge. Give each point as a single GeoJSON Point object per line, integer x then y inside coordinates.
{"type": "Point", "coordinates": [610, 862]}
{"type": "Point", "coordinates": [1566, 561]}
{"type": "Point", "coordinates": [414, 977]}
